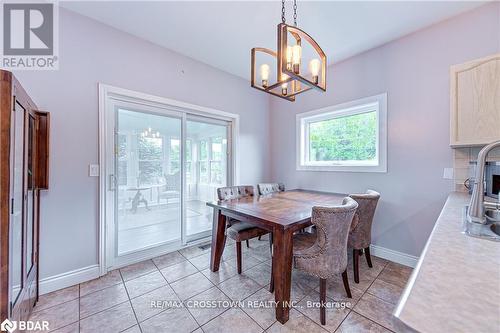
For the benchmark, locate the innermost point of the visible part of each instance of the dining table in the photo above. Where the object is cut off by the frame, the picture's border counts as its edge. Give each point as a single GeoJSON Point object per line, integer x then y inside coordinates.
{"type": "Point", "coordinates": [283, 214]}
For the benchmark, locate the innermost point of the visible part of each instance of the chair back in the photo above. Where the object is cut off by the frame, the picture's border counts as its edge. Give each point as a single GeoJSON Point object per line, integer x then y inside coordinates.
{"type": "Point", "coordinates": [234, 192]}
{"type": "Point", "coordinates": [332, 225]}
{"type": "Point", "coordinates": [266, 188]}
{"type": "Point", "coordinates": [361, 236]}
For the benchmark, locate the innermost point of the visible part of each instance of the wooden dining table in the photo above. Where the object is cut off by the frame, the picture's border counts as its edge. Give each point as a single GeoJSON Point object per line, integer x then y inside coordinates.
{"type": "Point", "coordinates": [283, 214]}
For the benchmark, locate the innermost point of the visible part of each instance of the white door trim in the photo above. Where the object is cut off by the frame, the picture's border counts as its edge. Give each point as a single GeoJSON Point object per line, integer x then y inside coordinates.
{"type": "Point", "coordinates": [107, 93]}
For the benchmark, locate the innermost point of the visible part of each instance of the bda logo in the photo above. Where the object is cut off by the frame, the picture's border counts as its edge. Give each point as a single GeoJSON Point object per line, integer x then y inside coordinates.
{"type": "Point", "coordinates": [8, 326]}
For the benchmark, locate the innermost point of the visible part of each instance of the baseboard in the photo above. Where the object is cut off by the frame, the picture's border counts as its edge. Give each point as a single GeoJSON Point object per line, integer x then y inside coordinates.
{"type": "Point", "coordinates": [68, 279]}
{"type": "Point", "coordinates": [395, 256]}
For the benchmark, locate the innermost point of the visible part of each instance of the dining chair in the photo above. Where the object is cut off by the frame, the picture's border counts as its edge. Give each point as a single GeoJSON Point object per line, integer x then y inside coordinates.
{"type": "Point", "coordinates": [323, 254]}
{"type": "Point", "coordinates": [237, 230]}
{"type": "Point", "coordinates": [360, 235]}
{"type": "Point", "coordinates": [266, 188]}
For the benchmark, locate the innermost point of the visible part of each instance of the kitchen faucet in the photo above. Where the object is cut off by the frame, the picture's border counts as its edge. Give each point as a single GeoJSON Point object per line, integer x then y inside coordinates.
{"type": "Point", "coordinates": [477, 204]}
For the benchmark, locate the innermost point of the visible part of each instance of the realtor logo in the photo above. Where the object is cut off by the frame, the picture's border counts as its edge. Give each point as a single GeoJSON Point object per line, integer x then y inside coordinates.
{"type": "Point", "coordinates": [8, 326]}
{"type": "Point", "coordinates": [29, 35]}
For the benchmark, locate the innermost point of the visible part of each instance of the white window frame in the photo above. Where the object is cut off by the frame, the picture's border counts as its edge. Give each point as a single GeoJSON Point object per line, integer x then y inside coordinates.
{"type": "Point", "coordinates": [376, 103]}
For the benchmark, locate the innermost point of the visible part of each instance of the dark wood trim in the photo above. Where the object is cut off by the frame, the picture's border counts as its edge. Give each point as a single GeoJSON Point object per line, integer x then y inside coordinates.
{"type": "Point", "coordinates": [322, 300]}
{"type": "Point", "coordinates": [368, 257]}
{"type": "Point", "coordinates": [345, 280]}
{"type": "Point", "coordinates": [6, 106]}
{"type": "Point", "coordinates": [218, 239]}
{"type": "Point", "coordinates": [355, 263]}
{"type": "Point", "coordinates": [238, 256]}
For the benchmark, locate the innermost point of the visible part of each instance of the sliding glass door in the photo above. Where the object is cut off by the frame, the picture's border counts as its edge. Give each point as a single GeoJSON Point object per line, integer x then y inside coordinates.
{"type": "Point", "coordinates": [162, 167]}
{"type": "Point", "coordinates": [148, 180]}
{"type": "Point", "coordinates": [206, 169]}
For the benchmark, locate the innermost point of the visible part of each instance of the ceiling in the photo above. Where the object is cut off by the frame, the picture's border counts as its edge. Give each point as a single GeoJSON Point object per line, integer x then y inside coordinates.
{"type": "Point", "coordinates": [221, 33]}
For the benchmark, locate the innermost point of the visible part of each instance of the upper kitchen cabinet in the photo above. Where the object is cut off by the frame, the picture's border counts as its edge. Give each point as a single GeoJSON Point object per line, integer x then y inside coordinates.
{"type": "Point", "coordinates": [475, 102]}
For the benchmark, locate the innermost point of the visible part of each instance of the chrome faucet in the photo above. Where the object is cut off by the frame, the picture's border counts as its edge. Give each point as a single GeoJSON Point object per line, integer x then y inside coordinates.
{"type": "Point", "coordinates": [477, 204]}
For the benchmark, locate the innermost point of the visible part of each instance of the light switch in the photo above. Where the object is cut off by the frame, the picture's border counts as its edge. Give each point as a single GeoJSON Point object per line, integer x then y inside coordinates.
{"type": "Point", "coordinates": [93, 170]}
{"type": "Point", "coordinates": [448, 173]}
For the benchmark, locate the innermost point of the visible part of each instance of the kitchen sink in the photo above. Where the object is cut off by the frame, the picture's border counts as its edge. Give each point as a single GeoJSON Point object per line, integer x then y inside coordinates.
{"type": "Point", "coordinates": [490, 230]}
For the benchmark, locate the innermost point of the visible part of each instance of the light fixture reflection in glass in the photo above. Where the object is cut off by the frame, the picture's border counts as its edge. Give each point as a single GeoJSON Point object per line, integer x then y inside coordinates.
{"type": "Point", "coordinates": [284, 85]}
{"type": "Point", "coordinates": [296, 55]}
{"type": "Point", "coordinates": [289, 58]}
{"type": "Point", "coordinates": [264, 74]}
{"type": "Point", "coordinates": [314, 66]}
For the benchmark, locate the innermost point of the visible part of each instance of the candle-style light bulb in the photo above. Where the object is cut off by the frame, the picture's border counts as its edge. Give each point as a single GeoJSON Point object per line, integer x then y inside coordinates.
{"type": "Point", "coordinates": [296, 55]}
{"type": "Point", "coordinates": [284, 85]}
{"type": "Point", "coordinates": [314, 66]}
{"type": "Point", "coordinates": [264, 74]}
{"type": "Point", "coordinates": [289, 58]}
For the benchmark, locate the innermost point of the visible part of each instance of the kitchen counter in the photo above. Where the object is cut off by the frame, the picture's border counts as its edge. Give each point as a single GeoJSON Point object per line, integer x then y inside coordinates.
{"type": "Point", "coordinates": [455, 286]}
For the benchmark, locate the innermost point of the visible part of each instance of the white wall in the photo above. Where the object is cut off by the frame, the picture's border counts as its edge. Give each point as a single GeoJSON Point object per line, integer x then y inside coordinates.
{"type": "Point", "coordinates": [91, 52]}
{"type": "Point", "coordinates": [414, 71]}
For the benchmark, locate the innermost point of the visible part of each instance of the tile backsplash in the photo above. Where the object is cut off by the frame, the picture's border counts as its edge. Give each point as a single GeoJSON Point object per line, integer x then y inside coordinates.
{"type": "Point", "coordinates": [462, 168]}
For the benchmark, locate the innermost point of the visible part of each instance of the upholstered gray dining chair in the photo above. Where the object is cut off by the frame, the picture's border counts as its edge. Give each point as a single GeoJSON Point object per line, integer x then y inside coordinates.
{"type": "Point", "coordinates": [237, 230]}
{"type": "Point", "coordinates": [360, 235]}
{"type": "Point", "coordinates": [323, 253]}
{"type": "Point", "coordinates": [266, 188]}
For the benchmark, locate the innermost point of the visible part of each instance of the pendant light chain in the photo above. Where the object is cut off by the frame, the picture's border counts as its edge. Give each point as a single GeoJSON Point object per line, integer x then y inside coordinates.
{"type": "Point", "coordinates": [283, 11]}
{"type": "Point", "coordinates": [295, 12]}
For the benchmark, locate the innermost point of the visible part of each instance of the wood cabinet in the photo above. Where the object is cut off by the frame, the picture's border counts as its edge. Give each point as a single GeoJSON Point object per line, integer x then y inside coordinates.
{"type": "Point", "coordinates": [475, 102]}
{"type": "Point", "coordinates": [24, 151]}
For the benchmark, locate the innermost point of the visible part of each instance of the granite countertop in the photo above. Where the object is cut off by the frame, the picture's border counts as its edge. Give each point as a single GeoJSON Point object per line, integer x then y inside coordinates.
{"type": "Point", "coordinates": [455, 286]}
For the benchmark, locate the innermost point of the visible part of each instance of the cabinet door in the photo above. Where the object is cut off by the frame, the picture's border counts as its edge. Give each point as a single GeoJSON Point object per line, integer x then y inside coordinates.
{"type": "Point", "coordinates": [475, 102]}
{"type": "Point", "coordinates": [16, 229]}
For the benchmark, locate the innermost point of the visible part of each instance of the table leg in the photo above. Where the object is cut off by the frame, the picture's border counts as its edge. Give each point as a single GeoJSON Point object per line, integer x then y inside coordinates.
{"type": "Point", "coordinates": [282, 267]}
{"type": "Point", "coordinates": [218, 235]}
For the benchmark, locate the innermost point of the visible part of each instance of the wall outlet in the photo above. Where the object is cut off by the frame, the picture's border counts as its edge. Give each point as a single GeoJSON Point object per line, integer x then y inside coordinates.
{"type": "Point", "coordinates": [448, 173]}
{"type": "Point", "coordinates": [93, 170]}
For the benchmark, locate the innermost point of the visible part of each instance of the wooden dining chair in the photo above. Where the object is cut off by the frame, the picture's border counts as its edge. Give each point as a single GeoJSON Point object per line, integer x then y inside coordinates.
{"type": "Point", "coordinates": [267, 188]}
{"type": "Point", "coordinates": [323, 254]}
{"type": "Point", "coordinates": [237, 230]}
{"type": "Point", "coordinates": [360, 235]}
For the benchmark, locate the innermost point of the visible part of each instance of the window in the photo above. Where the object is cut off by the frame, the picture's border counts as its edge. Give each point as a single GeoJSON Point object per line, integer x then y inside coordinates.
{"type": "Point", "coordinates": [189, 160]}
{"type": "Point", "coordinates": [203, 161]}
{"type": "Point", "coordinates": [150, 158]}
{"type": "Point", "coordinates": [346, 137]}
{"type": "Point", "coordinates": [216, 161]}
{"type": "Point", "coordinates": [174, 156]}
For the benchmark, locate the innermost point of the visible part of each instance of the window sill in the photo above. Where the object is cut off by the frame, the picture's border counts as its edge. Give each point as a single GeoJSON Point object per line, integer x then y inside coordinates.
{"type": "Point", "coordinates": [344, 168]}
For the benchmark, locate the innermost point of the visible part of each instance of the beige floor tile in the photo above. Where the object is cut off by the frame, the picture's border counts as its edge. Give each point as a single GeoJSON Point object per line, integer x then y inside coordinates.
{"type": "Point", "coordinates": [355, 323]}
{"type": "Point", "coordinates": [57, 297]}
{"type": "Point", "coordinates": [396, 274]}
{"type": "Point", "coordinates": [194, 251]}
{"type": "Point", "coordinates": [379, 311]}
{"type": "Point", "coordinates": [335, 311]}
{"type": "Point", "coordinates": [176, 320]}
{"type": "Point", "coordinates": [260, 274]}
{"type": "Point", "coordinates": [141, 268]}
{"type": "Point", "coordinates": [143, 305]}
{"type": "Point", "coordinates": [239, 287]}
{"type": "Point", "coordinates": [102, 299]}
{"type": "Point", "coordinates": [387, 291]}
{"type": "Point", "coordinates": [191, 285]}
{"type": "Point", "coordinates": [262, 315]}
{"type": "Point", "coordinates": [201, 312]}
{"type": "Point", "coordinates": [365, 279]}
{"type": "Point", "coordinates": [115, 319]}
{"type": "Point", "coordinates": [58, 316]}
{"type": "Point", "coordinates": [133, 329]}
{"type": "Point", "coordinates": [168, 259]}
{"type": "Point", "coordinates": [231, 321]}
{"type": "Point", "coordinates": [144, 284]}
{"type": "Point", "coordinates": [178, 271]}
{"type": "Point", "coordinates": [105, 281]}
{"type": "Point", "coordinates": [377, 263]}
{"type": "Point", "coordinates": [335, 290]}
{"type": "Point", "coordinates": [296, 323]}
{"type": "Point", "coordinates": [201, 262]}
{"type": "Point", "coordinates": [71, 328]}
{"type": "Point", "coordinates": [300, 289]}
{"type": "Point", "coordinates": [226, 271]}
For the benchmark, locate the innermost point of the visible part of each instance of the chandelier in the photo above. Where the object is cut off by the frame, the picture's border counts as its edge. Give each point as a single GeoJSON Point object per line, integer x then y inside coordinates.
{"type": "Point", "coordinates": [291, 77]}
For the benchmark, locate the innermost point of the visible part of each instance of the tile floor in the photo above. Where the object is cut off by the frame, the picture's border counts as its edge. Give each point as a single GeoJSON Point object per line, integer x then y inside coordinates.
{"type": "Point", "coordinates": [122, 300]}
